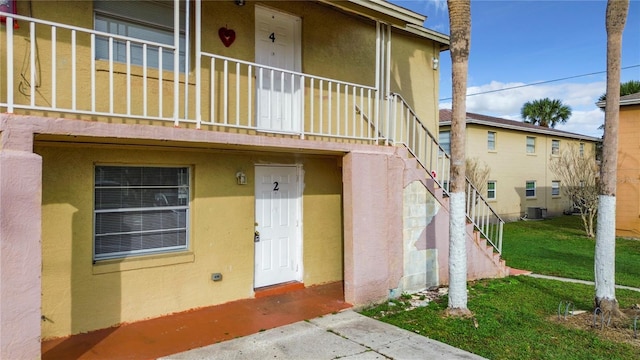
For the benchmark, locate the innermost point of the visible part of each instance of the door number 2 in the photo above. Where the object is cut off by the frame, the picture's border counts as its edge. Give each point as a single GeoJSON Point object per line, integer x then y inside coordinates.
{"type": "Point", "coordinates": [275, 186]}
{"type": "Point", "coordinates": [272, 37]}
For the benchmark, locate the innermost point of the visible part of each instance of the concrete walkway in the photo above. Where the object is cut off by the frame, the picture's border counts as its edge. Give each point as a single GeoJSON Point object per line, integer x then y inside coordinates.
{"type": "Point", "coordinates": [344, 335]}
{"type": "Point", "coordinates": [577, 281]}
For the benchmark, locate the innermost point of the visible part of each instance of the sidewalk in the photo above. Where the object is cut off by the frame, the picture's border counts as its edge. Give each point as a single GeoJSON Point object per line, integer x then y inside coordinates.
{"type": "Point", "coordinates": [518, 272]}
{"type": "Point", "coordinates": [345, 335]}
{"type": "Point", "coordinates": [577, 281]}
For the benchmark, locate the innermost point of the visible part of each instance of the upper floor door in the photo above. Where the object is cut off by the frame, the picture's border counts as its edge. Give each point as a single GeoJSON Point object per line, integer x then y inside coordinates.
{"type": "Point", "coordinates": [279, 96]}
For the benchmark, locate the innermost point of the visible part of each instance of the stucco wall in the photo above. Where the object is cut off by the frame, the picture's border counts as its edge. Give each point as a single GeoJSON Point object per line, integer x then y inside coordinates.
{"type": "Point", "coordinates": [413, 76]}
{"type": "Point", "coordinates": [628, 188]}
{"type": "Point", "coordinates": [79, 296]}
{"type": "Point", "coordinates": [19, 252]}
{"type": "Point", "coordinates": [420, 255]}
{"type": "Point", "coordinates": [372, 226]}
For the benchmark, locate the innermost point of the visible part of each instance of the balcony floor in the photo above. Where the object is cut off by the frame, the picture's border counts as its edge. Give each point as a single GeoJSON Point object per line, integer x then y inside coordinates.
{"type": "Point", "coordinates": [179, 332]}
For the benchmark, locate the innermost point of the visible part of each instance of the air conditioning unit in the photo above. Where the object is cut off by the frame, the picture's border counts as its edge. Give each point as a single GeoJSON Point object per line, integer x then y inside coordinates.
{"type": "Point", "coordinates": [534, 213]}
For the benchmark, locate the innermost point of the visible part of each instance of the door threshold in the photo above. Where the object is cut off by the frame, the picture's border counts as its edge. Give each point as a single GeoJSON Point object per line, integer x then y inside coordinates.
{"type": "Point", "coordinates": [278, 289]}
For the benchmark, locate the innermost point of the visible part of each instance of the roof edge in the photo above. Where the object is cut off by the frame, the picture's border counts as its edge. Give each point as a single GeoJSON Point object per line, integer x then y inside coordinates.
{"type": "Point", "coordinates": [407, 20]}
{"type": "Point", "coordinates": [390, 9]}
{"type": "Point", "coordinates": [430, 34]}
{"type": "Point", "coordinates": [603, 103]}
{"type": "Point", "coordinates": [544, 131]}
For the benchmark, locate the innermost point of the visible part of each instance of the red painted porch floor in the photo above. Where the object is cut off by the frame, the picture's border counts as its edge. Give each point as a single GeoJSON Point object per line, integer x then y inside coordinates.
{"type": "Point", "coordinates": [179, 332]}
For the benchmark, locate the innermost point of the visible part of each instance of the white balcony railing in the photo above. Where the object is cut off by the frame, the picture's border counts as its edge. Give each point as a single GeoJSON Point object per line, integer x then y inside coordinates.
{"type": "Point", "coordinates": [250, 95]}
{"type": "Point", "coordinates": [61, 74]}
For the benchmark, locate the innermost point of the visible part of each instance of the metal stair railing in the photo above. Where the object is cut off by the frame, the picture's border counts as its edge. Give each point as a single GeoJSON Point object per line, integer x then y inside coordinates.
{"type": "Point", "coordinates": [404, 127]}
{"type": "Point", "coordinates": [407, 129]}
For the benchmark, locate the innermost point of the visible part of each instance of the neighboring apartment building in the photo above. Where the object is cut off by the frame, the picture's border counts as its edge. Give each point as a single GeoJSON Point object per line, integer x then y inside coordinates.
{"type": "Point", "coordinates": [160, 156]}
{"type": "Point", "coordinates": [628, 185]}
{"type": "Point", "coordinates": [518, 154]}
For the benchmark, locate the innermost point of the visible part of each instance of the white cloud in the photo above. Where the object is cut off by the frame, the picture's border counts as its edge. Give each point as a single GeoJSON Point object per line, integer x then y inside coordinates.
{"type": "Point", "coordinates": [440, 5]}
{"type": "Point", "coordinates": [584, 122]}
{"type": "Point", "coordinates": [581, 97]}
{"type": "Point", "coordinates": [435, 10]}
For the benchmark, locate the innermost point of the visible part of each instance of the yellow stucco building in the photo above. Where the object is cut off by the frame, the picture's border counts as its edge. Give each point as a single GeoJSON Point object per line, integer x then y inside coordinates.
{"type": "Point", "coordinates": [161, 156]}
{"type": "Point", "coordinates": [628, 188]}
{"type": "Point", "coordinates": [517, 154]}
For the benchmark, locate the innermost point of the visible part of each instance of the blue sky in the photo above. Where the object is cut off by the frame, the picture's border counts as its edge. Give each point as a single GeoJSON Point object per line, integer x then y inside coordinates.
{"type": "Point", "coordinates": [523, 42]}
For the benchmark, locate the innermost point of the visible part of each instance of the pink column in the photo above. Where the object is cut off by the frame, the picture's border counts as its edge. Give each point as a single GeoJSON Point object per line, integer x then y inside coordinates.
{"type": "Point", "coordinates": [371, 228]}
{"type": "Point", "coordinates": [20, 254]}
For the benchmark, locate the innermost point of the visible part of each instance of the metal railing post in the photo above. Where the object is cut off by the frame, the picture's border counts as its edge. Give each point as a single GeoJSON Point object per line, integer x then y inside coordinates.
{"type": "Point", "coordinates": [10, 52]}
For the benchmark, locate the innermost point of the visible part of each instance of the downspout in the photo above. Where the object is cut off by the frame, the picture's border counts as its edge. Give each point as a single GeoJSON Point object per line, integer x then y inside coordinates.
{"type": "Point", "coordinates": [546, 171]}
{"type": "Point", "coordinates": [388, 64]}
{"type": "Point", "coordinates": [436, 89]}
{"type": "Point", "coordinates": [387, 86]}
{"type": "Point", "coordinates": [186, 58]}
{"type": "Point", "coordinates": [198, 44]}
{"type": "Point", "coordinates": [9, 30]}
{"type": "Point", "coordinates": [377, 85]}
{"type": "Point", "coordinates": [176, 61]}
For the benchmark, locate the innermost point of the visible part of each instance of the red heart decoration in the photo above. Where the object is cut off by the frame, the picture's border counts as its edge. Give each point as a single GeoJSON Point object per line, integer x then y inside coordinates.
{"type": "Point", "coordinates": [227, 36]}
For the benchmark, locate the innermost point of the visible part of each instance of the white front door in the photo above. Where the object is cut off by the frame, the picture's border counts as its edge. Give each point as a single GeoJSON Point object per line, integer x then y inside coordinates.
{"type": "Point", "coordinates": [278, 243]}
{"type": "Point", "coordinates": [278, 95]}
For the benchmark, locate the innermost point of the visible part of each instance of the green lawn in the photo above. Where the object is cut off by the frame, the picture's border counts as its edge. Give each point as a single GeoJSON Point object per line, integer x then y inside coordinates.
{"type": "Point", "coordinates": [559, 247]}
{"type": "Point", "coordinates": [516, 315]}
{"type": "Point", "coordinates": [513, 316]}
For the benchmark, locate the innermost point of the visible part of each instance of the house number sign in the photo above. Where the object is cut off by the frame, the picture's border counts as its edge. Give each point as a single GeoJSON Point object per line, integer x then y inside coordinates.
{"type": "Point", "coordinates": [275, 186]}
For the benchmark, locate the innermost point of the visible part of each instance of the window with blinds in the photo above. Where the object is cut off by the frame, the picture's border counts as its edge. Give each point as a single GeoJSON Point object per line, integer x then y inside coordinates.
{"type": "Point", "coordinates": [140, 210]}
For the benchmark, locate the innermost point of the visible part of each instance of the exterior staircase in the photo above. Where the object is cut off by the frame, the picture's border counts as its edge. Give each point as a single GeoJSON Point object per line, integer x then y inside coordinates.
{"type": "Point", "coordinates": [428, 158]}
{"type": "Point", "coordinates": [483, 260]}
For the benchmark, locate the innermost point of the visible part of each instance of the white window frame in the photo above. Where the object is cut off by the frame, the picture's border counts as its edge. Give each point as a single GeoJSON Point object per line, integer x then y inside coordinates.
{"type": "Point", "coordinates": [169, 202]}
{"type": "Point", "coordinates": [531, 145]}
{"type": "Point", "coordinates": [446, 145]}
{"type": "Point", "coordinates": [581, 149]}
{"type": "Point", "coordinates": [491, 142]}
{"type": "Point", "coordinates": [445, 185]}
{"type": "Point", "coordinates": [141, 17]}
{"type": "Point", "coordinates": [526, 189]}
{"type": "Point", "coordinates": [555, 147]}
{"type": "Point", "coordinates": [555, 188]}
{"type": "Point", "coordinates": [494, 190]}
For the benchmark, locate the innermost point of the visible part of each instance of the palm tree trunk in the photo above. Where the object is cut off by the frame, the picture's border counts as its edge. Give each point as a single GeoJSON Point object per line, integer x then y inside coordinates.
{"type": "Point", "coordinates": [606, 225]}
{"type": "Point", "coordinates": [460, 27]}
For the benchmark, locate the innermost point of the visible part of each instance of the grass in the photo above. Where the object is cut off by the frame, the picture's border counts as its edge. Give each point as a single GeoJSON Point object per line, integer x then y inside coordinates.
{"type": "Point", "coordinates": [515, 315]}
{"type": "Point", "coordinates": [559, 247]}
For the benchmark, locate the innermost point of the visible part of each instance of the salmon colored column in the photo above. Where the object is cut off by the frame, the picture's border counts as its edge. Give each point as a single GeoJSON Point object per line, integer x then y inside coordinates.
{"type": "Point", "coordinates": [372, 227]}
{"type": "Point", "coordinates": [20, 254]}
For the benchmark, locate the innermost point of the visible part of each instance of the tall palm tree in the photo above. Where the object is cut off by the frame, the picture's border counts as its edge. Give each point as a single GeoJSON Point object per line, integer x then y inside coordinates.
{"type": "Point", "coordinates": [545, 112]}
{"type": "Point", "coordinates": [605, 257]}
{"type": "Point", "coordinates": [460, 27]}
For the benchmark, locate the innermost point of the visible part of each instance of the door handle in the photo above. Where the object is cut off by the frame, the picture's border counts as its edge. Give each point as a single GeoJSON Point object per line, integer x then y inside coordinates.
{"type": "Point", "coordinates": [256, 236]}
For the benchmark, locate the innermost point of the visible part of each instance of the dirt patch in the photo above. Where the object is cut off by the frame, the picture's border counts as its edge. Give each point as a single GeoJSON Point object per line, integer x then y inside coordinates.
{"type": "Point", "coordinates": [619, 330]}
